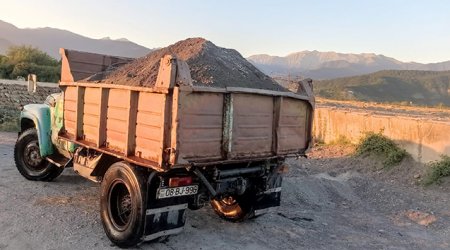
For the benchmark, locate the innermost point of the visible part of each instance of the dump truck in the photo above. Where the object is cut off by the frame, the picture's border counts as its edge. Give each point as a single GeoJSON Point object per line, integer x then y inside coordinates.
{"type": "Point", "coordinates": [160, 150]}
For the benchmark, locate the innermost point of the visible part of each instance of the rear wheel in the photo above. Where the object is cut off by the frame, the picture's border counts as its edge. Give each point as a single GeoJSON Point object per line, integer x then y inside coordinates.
{"type": "Point", "coordinates": [123, 204]}
{"type": "Point", "coordinates": [29, 161]}
{"type": "Point", "coordinates": [235, 208]}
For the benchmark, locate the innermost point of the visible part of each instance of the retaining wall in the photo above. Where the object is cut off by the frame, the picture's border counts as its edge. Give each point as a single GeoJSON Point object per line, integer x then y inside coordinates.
{"type": "Point", "coordinates": [424, 139]}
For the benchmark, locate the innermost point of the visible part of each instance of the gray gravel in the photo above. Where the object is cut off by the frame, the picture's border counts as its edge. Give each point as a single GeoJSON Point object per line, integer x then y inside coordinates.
{"type": "Point", "coordinates": [319, 211]}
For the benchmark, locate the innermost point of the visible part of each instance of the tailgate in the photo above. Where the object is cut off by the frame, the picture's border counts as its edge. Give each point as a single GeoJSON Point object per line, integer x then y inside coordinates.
{"type": "Point", "coordinates": [237, 124]}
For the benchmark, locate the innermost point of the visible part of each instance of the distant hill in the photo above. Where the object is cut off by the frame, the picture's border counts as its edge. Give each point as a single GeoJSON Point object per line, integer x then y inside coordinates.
{"type": "Point", "coordinates": [329, 65]}
{"type": "Point", "coordinates": [50, 40]}
{"type": "Point", "coordinates": [394, 86]}
{"type": "Point", "coordinates": [4, 45]}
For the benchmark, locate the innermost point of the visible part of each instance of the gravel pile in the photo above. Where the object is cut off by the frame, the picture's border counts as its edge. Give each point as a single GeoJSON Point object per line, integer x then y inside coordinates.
{"type": "Point", "coordinates": [210, 65]}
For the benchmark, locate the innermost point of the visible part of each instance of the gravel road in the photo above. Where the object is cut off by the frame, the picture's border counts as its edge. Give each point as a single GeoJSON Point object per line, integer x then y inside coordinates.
{"type": "Point", "coordinates": [322, 208]}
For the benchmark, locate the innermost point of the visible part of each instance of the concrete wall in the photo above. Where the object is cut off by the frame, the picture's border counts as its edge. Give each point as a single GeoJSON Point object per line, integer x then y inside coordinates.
{"type": "Point", "coordinates": [424, 139]}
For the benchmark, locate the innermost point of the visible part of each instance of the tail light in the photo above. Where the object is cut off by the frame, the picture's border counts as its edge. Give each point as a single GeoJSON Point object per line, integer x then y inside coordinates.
{"type": "Point", "coordinates": [180, 181]}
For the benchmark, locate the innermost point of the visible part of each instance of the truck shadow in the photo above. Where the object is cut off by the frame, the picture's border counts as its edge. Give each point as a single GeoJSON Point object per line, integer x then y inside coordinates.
{"type": "Point", "coordinates": [69, 177]}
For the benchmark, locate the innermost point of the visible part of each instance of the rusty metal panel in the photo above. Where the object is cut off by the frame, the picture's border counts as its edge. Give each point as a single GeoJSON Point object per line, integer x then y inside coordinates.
{"type": "Point", "coordinates": [200, 125]}
{"type": "Point", "coordinates": [252, 125]}
{"type": "Point", "coordinates": [292, 128]}
{"type": "Point", "coordinates": [149, 126]}
{"type": "Point", "coordinates": [77, 65]}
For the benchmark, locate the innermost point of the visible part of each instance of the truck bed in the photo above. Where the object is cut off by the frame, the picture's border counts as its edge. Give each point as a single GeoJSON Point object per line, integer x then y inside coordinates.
{"type": "Point", "coordinates": [175, 124]}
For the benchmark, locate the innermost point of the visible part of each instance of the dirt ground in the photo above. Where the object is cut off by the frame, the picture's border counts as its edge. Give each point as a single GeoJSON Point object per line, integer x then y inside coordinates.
{"type": "Point", "coordinates": [439, 114]}
{"type": "Point", "coordinates": [330, 201]}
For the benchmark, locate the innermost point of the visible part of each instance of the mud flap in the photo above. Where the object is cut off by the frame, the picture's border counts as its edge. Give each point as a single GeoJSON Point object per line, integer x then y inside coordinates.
{"type": "Point", "coordinates": [164, 216]}
{"type": "Point", "coordinates": [163, 221]}
{"type": "Point", "coordinates": [269, 199]}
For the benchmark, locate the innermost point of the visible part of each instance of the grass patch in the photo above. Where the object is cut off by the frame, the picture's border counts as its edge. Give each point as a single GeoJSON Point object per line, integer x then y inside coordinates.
{"type": "Point", "coordinates": [437, 170]}
{"type": "Point", "coordinates": [10, 125]}
{"type": "Point", "coordinates": [341, 140]}
{"type": "Point", "coordinates": [380, 146]}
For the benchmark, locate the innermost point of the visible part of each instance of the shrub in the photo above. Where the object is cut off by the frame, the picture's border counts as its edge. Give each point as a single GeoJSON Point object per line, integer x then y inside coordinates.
{"type": "Point", "coordinates": [23, 60]}
{"type": "Point", "coordinates": [437, 170]}
{"type": "Point", "coordinates": [382, 147]}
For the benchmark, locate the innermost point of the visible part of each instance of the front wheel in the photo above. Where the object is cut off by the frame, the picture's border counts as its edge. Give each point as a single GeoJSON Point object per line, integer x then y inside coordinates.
{"type": "Point", "coordinates": [123, 204]}
{"type": "Point", "coordinates": [29, 161]}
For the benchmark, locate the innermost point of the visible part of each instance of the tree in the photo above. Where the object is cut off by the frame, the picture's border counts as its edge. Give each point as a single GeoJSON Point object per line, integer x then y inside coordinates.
{"type": "Point", "coordinates": [24, 60]}
{"type": "Point", "coordinates": [5, 67]}
{"type": "Point", "coordinates": [28, 54]}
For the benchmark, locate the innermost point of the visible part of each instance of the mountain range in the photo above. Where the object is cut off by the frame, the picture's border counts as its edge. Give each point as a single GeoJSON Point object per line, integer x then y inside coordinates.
{"type": "Point", "coordinates": [50, 40]}
{"type": "Point", "coordinates": [392, 86]}
{"type": "Point", "coordinates": [329, 65]}
{"type": "Point", "coordinates": [312, 64]}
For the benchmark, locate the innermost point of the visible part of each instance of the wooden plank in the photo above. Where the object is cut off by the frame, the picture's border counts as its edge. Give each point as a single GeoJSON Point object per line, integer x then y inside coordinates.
{"type": "Point", "coordinates": [167, 133]}
{"type": "Point", "coordinates": [79, 112]}
{"type": "Point", "coordinates": [277, 104]}
{"type": "Point", "coordinates": [116, 86]}
{"type": "Point", "coordinates": [103, 110]}
{"type": "Point", "coordinates": [111, 151]}
{"type": "Point", "coordinates": [267, 92]}
{"type": "Point", "coordinates": [244, 90]}
{"type": "Point", "coordinates": [150, 126]}
{"type": "Point", "coordinates": [252, 125]}
{"type": "Point", "coordinates": [227, 137]}
{"type": "Point", "coordinates": [130, 144]}
{"type": "Point", "coordinates": [165, 114]}
{"type": "Point", "coordinates": [173, 137]}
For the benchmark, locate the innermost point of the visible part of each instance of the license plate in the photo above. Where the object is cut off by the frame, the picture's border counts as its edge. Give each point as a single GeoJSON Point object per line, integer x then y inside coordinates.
{"type": "Point", "coordinates": [176, 191]}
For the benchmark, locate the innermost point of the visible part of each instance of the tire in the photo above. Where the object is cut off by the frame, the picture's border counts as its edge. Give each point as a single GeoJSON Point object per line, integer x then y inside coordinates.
{"type": "Point", "coordinates": [235, 208]}
{"type": "Point", "coordinates": [123, 203]}
{"type": "Point", "coordinates": [28, 160]}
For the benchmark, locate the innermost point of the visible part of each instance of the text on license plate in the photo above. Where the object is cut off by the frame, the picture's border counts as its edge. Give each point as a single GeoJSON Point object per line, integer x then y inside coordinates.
{"type": "Point", "coordinates": [176, 191]}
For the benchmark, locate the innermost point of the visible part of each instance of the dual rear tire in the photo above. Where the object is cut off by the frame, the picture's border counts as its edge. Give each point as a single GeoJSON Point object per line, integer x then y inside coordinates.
{"type": "Point", "coordinates": [123, 203]}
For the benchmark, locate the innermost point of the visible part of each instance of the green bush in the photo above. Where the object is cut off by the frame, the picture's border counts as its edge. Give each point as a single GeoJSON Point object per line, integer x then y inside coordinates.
{"type": "Point", "coordinates": [23, 60]}
{"type": "Point", "coordinates": [437, 170]}
{"type": "Point", "coordinates": [382, 147]}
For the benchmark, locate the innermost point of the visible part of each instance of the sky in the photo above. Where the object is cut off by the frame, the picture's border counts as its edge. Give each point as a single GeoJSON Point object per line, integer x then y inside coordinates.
{"type": "Point", "coordinates": [414, 30]}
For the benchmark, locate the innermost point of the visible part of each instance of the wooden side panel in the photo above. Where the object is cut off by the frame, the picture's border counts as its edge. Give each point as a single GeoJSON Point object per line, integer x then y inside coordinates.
{"type": "Point", "coordinates": [91, 115]}
{"type": "Point", "coordinates": [70, 108]}
{"type": "Point", "coordinates": [123, 122]}
{"type": "Point", "coordinates": [292, 129]}
{"type": "Point", "coordinates": [252, 125]}
{"type": "Point", "coordinates": [150, 126]}
{"type": "Point", "coordinates": [200, 125]}
{"type": "Point", "coordinates": [117, 119]}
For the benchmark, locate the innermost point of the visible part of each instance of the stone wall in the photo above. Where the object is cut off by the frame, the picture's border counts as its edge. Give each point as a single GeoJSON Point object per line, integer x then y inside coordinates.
{"type": "Point", "coordinates": [424, 139]}
{"type": "Point", "coordinates": [14, 94]}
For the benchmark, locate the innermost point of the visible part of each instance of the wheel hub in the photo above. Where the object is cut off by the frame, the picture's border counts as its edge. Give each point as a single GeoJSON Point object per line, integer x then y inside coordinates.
{"type": "Point", "coordinates": [125, 206]}
{"type": "Point", "coordinates": [32, 156]}
{"type": "Point", "coordinates": [229, 201]}
{"type": "Point", "coordinates": [120, 205]}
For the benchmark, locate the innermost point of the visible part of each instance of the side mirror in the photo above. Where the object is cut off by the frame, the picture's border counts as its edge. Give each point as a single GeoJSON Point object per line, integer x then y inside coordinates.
{"type": "Point", "coordinates": [50, 101]}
